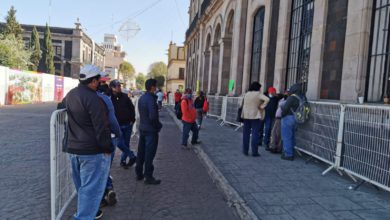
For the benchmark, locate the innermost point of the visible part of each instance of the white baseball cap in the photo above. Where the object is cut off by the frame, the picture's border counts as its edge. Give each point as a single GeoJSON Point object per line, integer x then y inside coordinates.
{"type": "Point", "coordinates": [89, 71]}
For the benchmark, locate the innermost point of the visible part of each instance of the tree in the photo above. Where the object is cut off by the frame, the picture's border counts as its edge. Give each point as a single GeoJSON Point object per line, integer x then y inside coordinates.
{"type": "Point", "coordinates": [13, 53]}
{"type": "Point", "coordinates": [140, 81]}
{"type": "Point", "coordinates": [160, 81]}
{"type": "Point", "coordinates": [48, 53]}
{"type": "Point", "coordinates": [12, 26]}
{"type": "Point", "coordinates": [157, 69]}
{"type": "Point", "coordinates": [36, 50]}
{"type": "Point", "coordinates": [127, 71]}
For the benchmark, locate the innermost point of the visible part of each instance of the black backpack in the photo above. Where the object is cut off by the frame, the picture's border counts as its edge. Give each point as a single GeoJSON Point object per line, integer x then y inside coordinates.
{"type": "Point", "coordinates": [302, 113]}
{"type": "Point", "coordinates": [179, 113]}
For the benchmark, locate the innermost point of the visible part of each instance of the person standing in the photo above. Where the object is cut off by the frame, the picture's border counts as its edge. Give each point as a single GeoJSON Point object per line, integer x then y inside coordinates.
{"type": "Point", "coordinates": [125, 114]}
{"type": "Point", "coordinates": [160, 98]}
{"type": "Point", "coordinates": [267, 123]}
{"type": "Point", "coordinates": [189, 120]}
{"type": "Point", "coordinates": [177, 97]}
{"type": "Point", "coordinates": [109, 197]}
{"type": "Point", "coordinates": [276, 145]}
{"type": "Point", "coordinates": [289, 124]}
{"type": "Point", "coordinates": [253, 106]}
{"type": "Point", "coordinates": [200, 103]}
{"type": "Point", "coordinates": [88, 143]}
{"type": "Point", "coordinates": [149, 128]}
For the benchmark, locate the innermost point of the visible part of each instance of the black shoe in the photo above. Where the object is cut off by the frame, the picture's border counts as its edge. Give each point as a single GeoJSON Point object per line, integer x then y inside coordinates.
{"type": "Point", "coordinates": [245, 153]}
{"type": "Point", "coordinates": [267, 148]}
{"type": "Point", "coordinates": [124, 165]}
{"type": "Point", "coordinates": [132, 162]}
{"type": "Point", "coordinates": [111, 198]}
{"type": "Point", "coordinates": [99, 214]}
{"type": "Point", "coordinates": [256, 155]}
{"type": "Point", "coordinates": [195, 143]}
{"type": "Point", "coordinates": [140, 177]}
{"type": "Point", "coordinates": [287, 158]}
{"type": "Point", "coordinates": [103, 203]}
{"type": "Point", "coordinates": [152, 181]}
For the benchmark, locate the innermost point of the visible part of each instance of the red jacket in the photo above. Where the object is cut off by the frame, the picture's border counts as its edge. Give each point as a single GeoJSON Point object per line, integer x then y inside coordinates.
{"type": "Point", "coordinates": [177, 96]}
{"type": "Point", "coordinates": [188, 110]}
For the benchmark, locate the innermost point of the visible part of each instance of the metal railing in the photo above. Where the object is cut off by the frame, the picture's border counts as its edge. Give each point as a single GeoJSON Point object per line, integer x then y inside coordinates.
{"type": "Point", "coordinates": [215, 106]}
{"type": "Point", "coordinates": [62, 188]}
{"type": "Point", "coordinates": [230, 111]}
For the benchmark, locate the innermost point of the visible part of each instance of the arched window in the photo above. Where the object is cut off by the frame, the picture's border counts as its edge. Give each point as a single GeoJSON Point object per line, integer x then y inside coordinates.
{"type": "Point", "coordinates": [300, 42]}
{"type": "Point", "coordinates": [258, 26]}
{"type": "Point", "coordinates": [379, 62]}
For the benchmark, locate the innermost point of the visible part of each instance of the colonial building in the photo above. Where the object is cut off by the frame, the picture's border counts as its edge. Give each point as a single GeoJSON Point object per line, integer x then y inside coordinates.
{"type": "Point", "coordinates": [338, 49]}
{"type": "Point", "coordinates": [176, 68]}
{"type": "Point", "coordinates": [114, 55]}
{"type": "Point", "coordinates": [73, 48]}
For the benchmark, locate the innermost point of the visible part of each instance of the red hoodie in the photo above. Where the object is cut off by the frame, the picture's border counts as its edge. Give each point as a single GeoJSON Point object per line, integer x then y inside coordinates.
{"type": "Point", "coordinates": [177, 96]}
{"type": "Point", "coordinates": [188, 110]}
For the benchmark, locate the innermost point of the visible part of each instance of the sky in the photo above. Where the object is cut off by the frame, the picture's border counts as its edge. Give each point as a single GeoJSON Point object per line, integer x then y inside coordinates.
{"type": "Point", "coordinates": [160, 21]}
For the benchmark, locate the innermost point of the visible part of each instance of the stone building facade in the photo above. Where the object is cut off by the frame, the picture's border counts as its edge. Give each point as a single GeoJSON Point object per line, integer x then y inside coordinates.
{"type": "Point", "coordinates": [114, 55]}
{"type": "Point", "coordinates": [176, 68]}
{"type": "Point", "coordinates": [339, 49]}
{"type": "Point", "coordinates": [72, 47]}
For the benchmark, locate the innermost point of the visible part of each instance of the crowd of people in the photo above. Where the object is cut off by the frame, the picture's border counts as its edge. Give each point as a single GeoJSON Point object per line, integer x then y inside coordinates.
{"type": "Point", "coordinates": [270, 119]}
{"type": "Point", "coordinates": [100, 118]}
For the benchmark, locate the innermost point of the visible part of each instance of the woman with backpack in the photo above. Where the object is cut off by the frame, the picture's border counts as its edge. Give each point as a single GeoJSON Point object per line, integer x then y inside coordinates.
{"type": "Point", "coordinates": [289, 122]}
{"type": "Point", "coordinates": [201, 106]}
{"type": "Point", "coordinates": [252, 112]}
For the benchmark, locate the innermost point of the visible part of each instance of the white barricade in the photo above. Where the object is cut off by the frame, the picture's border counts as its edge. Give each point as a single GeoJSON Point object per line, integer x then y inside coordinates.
{"type": "Point", "coordinates": [3, 85]}
{"type": "Point", "coordinates": [62, 188]}
{"type": "Point", "coordinates": [215, 106]}
{"type": "Point", "coordinates": [232, 104]}
{"type": "Point", "coordinates": [171, 99]}
{"type": "Point", "coordinates": [48, 87]}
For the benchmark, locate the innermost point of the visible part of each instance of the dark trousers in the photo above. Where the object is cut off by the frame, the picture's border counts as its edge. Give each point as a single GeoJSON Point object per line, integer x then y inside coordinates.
{"type": "Point", "coordinates": [187, 127]}
{"type": "Point", "coordinates": [124, 142]}
{"type": "Point", "coordinates": [266, 130]}
{"type": "Point", "coordinates": [147, 148]}
{"type": "Point", "coordinates": [251, 126]}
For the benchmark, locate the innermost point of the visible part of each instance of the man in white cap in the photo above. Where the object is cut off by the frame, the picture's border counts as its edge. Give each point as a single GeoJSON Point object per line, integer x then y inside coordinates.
{"type": "Point", "coordinates": [88, 143]}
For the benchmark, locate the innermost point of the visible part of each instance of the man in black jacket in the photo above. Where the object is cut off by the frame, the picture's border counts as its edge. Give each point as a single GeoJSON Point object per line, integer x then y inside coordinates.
{"type": "Point", "coordinates": [267, 123]}
{"type": "Point", "coordinates": [88, 143]}
{"type": "Point", "coordinates": [149, 127]}
{"type": "Point", "coordinates": [289, 124]}
{"type": "Point", "coordinates": [125, 114]}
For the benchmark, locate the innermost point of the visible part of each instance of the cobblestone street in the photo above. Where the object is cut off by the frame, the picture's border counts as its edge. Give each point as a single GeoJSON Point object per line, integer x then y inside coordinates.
{"type": "Point", "coordinates": [24, 162]}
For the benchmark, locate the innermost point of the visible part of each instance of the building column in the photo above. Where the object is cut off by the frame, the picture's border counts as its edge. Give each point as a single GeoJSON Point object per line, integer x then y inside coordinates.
{"type": "Point", "coordinates": [214, 69]}
{"type": "Point", "coordinates": [206, 71]}
{"type": "Point", "coordinates": [357, 40]}
{"type": "Point", "coordinates": [237, 52]}
{"type": "Point", "coordinates": [224, 66]}
{"type": "Point", "coordinates": [282, 44]}
{"type": "Point", "coordinates": [317, 50]}
{"type": "Point", "coordinates": [200, 58]}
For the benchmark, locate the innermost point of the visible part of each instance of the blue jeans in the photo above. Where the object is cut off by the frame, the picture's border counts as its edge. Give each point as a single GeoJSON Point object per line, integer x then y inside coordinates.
{"type": "Point", "coordinates": [187, 127]}
{"type": "Point", "coordinates": [288, 135]}
{"type": "Point", "coordinates": [89, 174]}
{"type": "Point", "coordinates": [147, 149]}
{"type": "Point", "coordinates": [199, 116]}
{"type": "Point", "coordinates": [124, 142]}
{"type": "Point", "coordinates": [251, 126]}
{"type": "Point", "coordinates": [265, 130]}
{"type": "Point", "coordinates": [109, 180]}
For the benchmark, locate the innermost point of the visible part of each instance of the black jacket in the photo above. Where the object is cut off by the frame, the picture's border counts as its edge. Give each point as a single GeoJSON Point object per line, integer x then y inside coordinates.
{"type": "Point", "coordinates": [292, 103]}
{"type": "Point", "coordinates": [88, 126]}
{"type": "Point", "coordinates": [124, 109]}
{"type": "Point", "coordinates": [199, 102]}
{"type": "Point", "coordinates": [148, 112]}
{"type": "Point", "coordinates": [272, 106]}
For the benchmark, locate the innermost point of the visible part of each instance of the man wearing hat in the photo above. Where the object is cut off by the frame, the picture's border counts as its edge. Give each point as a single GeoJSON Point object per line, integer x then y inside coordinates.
{"type": "Point", "coordinates": [125, 114]}
{"type": "Point", "coordinates": [267, 123]}
{"type": "Point", "coordinates": [88, 143]}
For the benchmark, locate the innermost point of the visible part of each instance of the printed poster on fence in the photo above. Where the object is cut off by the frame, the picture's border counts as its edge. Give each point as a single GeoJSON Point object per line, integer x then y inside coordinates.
{"type": "Point", "coordinates": [59, 88]}
{"type": "Point", "coordinates": [24, 88]}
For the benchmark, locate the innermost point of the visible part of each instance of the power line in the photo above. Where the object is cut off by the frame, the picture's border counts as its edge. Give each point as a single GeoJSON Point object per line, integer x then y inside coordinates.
{"type": "Point", "coordinates": [178, 12]}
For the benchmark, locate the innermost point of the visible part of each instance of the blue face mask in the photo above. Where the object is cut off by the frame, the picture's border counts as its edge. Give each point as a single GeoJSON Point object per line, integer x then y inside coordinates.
{"type": "Point", "coordinates": [189, 96]}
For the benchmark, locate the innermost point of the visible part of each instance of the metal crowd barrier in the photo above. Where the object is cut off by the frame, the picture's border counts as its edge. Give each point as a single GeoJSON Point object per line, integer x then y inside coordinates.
{"type": "Point", "coordinates": [215, 106]}
{"type": "Point", "coordinates": [171, 99]}
{"type": "Point", "coordinates": [318, 137]}
{"type": "Point", "coordinates": [232, 104]}
{"type": "Point", "coordinates": [366, 150]}
{"type": "Point", "coordinates": [62, 188]}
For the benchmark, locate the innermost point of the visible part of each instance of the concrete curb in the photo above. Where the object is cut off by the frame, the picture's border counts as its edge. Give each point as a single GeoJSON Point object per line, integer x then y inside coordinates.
{"type": "Point", "coordinates": [233, 198]}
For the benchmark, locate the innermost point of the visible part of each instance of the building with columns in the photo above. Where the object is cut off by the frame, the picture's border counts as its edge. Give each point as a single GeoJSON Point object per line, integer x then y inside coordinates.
{"type": "Point", "coordinates": [339, 49]}
{"type": "Point", "coordinates": [114, 55]}
{"type": "Point", "coordinates": [176, 68]}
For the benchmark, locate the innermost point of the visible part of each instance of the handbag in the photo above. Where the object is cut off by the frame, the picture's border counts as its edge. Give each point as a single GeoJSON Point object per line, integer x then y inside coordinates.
{"type": "Point", "coordinates": [239, 112]}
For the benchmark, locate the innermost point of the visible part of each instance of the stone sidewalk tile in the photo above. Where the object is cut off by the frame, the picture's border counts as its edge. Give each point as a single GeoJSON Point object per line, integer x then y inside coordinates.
{"type": "Point", "coordinates": [278, 189]}
{"type": "Point", "coordinates": [186, 191]}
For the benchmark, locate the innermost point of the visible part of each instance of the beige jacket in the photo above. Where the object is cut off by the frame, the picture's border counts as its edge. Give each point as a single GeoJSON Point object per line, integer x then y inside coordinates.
{"type": "Point", "coordinates": [254, 104]}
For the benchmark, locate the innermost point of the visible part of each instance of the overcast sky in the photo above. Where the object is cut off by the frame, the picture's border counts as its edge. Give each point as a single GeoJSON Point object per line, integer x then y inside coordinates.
{"type": "Point", "coordinates": [160, 21]}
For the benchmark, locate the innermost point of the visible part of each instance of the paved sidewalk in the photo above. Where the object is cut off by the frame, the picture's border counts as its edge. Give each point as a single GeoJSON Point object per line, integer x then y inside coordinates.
{"type": "Point", "coordinates": [186, 192]}
{"type": "Point", "coordinates": [277, 189]}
